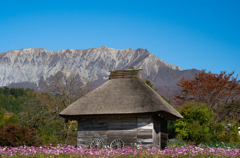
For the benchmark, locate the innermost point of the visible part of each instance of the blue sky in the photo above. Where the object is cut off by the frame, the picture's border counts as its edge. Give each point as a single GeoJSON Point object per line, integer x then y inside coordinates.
{"type": "Point", "coordinates": [189, 34]}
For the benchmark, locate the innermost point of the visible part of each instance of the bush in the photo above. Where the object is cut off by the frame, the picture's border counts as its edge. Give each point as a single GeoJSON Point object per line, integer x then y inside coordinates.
{"type": "Point", "coordinates": [13, 119]}
{"type": "Point", "coordinates": [196, 123]}
{"type": "Point", "coordinates": [16, 135]}
{"type": "Point", "coordinates": [198, 126]}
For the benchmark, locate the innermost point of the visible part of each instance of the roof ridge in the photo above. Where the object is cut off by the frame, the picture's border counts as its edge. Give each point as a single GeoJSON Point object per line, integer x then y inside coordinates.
{"type": "Point", "coordinates": [126, 73]}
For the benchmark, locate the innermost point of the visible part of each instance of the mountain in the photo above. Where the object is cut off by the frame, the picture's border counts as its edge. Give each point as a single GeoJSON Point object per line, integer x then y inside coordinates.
{"type": "Point", "coordinates": [26, 67]}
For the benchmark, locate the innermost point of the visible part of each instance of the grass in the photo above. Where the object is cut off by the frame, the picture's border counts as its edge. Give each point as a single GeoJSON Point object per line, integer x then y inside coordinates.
{"type": "Point", "coordinates": [222, 144]}
{"type": "Point", "coordinates": [179, 143]}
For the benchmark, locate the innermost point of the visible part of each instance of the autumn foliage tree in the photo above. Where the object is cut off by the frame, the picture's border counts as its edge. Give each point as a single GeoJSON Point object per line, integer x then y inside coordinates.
{"type": "Point", "coordinates": [16, 135]}
{"type": "Point", "coordinates": [209, 88]}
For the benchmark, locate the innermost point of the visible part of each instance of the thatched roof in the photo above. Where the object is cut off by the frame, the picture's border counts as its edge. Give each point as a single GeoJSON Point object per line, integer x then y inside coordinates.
{"type": "Point", "coordinates": [124, 93]}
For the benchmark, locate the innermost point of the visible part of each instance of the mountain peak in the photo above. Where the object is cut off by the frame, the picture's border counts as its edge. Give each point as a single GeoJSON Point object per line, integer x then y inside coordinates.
{"type": "Point", "coordinates": [31, 64]}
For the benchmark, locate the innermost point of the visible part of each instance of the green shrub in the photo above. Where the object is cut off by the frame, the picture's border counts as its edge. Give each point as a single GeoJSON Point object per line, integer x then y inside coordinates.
{"type": "Point", "coordinates": [13, 119]}
{"type": "Point", "coordinates": [198, 125]}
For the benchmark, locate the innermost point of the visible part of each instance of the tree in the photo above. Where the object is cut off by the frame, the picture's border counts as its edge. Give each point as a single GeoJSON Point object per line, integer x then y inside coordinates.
{"type": "Point", "coordinates": [7, 117]}
{"type": "Point", "coordinates": [67, 88]}
{"type": "Point", "coordinates": [198, 125]}
{"type": "Point", "coordinates": [40, 114]}
{"type": "Point", "coordinates": [149, 83]}
{"type": "Point", "coordinates": [6, 90]}
{"type": "Point", "coordinates": [12, 119]}
{"type": "Point", "coordinates": [16, 135]}
{"type": "Point", "coordinates": [229, 111]}
{"type": "Point", "coordinates": [209, 88]}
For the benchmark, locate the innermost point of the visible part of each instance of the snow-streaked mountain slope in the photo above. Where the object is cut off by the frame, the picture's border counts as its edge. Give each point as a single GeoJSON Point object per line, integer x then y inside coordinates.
{"type": "Point", "coordinates": [31, 65]}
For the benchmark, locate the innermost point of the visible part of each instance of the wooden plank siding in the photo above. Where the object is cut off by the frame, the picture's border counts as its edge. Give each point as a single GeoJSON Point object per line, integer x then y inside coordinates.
{"type": "Point", "coordinates": [144, 130]}
{"type": "Point", "coordinates": [130, 129]}
{"type": "Point", "coordinates": [156, 134]}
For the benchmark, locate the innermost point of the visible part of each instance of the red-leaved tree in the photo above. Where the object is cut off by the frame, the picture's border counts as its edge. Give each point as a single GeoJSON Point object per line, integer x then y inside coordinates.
{"type": "Point", "coordinates": [209, 88]}
{"type": "Point", "coordinates": [16, 135]}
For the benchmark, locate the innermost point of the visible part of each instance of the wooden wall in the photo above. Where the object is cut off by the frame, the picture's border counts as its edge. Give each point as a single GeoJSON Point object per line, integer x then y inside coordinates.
{"type": "Point", "coordinates": [160, 131]}
{"type": "Point", "coordinates": [130, 129]}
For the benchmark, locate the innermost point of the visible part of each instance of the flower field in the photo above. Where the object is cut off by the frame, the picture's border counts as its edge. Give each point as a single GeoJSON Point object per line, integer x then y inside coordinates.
{"type": "Point", "coordinates": [71, 151]}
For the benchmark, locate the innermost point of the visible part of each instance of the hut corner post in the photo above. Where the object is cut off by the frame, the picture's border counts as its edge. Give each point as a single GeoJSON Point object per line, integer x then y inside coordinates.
{"type": "Point", "coordinates": [160, 133]}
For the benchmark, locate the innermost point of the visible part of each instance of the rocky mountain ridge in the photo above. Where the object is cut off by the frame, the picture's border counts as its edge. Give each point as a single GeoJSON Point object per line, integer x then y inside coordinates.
{"type": "Point", "coordinates": [32, 65]}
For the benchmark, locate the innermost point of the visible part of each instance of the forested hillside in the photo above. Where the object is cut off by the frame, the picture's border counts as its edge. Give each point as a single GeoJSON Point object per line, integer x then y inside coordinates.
{"type": "Point", "coordinates": [40, 111]}
{"type": "Point", "coordinates": [10, 99]}
{"type": "Point", "coordinates": [36, 111]}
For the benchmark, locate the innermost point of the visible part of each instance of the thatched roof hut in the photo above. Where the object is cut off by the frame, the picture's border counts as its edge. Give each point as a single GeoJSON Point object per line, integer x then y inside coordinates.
{"type": "Point", "coordinates": [124, 95]}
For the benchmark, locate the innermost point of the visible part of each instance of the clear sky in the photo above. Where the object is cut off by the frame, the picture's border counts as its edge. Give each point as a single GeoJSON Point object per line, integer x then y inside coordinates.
{"type": "Point", "coordinates": [189, 34]}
